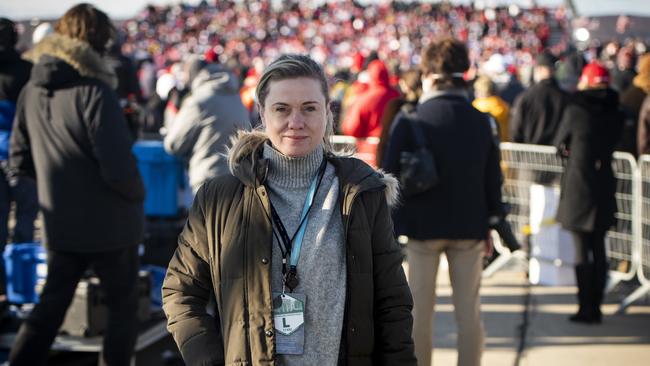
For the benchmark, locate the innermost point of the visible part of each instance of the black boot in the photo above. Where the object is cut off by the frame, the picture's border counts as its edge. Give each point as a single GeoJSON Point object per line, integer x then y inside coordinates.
{"type": "Point", "coordinates": [600, 281]}
{"type": "Point", "coordinates": [585, 280]}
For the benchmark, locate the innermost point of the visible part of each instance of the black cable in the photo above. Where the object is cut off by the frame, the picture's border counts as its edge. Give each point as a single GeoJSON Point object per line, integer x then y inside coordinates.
{"type": "Point", "coordinates": [522, 329]}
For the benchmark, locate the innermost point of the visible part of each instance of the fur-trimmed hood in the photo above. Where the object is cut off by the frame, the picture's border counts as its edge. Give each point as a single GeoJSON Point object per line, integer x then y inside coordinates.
{"type": "Point", "coordinates": [245, 163]}
{"type": "Point", "coordinates": [77, 54]}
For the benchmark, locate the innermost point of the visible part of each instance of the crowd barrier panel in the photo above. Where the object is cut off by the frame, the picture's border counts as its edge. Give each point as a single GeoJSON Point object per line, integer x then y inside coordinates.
{"type": "Point", "coordinates": [524, 165]}
{"type": "Point", "coordinates": [643, 233]}
{"type": "Point", "coordinates": [363, 149]}
{"type": "Point", "coordinates": [621, 240]}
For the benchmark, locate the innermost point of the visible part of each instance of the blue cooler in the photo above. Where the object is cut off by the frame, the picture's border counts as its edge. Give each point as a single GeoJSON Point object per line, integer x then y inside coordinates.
{"type": "Point", "coordinates": [25, 265]}
{"type": "Point", "coordinates": [164, 178]}
{"type": "Point", "coordinates": [157, 278]}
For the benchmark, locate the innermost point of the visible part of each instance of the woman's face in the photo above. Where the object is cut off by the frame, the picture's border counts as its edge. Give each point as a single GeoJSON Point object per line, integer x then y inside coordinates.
{"type": "Point", "coordinates": [294, 115]}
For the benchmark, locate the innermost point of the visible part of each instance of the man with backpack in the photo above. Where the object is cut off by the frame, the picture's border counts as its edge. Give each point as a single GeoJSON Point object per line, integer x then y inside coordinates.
{"type": "Point", "coordinates": [452, 216]}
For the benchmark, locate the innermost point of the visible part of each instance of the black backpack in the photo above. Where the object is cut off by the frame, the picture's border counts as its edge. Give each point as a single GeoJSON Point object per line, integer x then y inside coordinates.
{"type": "Point", "coordinates": [418, 172]}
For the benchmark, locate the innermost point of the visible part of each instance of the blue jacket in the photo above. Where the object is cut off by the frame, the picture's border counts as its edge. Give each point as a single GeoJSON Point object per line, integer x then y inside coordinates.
{"type": "Point", "coordinates": [14, 73]}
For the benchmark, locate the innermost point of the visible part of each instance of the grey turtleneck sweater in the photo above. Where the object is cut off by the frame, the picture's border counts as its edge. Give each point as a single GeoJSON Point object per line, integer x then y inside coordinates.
{"type": "Point", "coordinates": [321, 266]}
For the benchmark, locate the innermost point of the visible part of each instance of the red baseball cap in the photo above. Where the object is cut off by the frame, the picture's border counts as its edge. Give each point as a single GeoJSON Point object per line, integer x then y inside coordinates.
{"type": "Point", "coordinates": [594, 74]}
{"type": "Point", "coordinates": [211, 55]}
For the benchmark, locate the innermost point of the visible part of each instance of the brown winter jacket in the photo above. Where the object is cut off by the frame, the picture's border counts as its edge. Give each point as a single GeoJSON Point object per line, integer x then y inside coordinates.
{"type": "Point", "coordinates": [643, 137]}
{"type": "Point", "coordinates": [225, 250]}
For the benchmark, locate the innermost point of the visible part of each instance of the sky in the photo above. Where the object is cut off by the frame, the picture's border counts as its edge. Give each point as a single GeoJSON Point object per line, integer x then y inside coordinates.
{"type": "Point", "coordinates": [121, 9]}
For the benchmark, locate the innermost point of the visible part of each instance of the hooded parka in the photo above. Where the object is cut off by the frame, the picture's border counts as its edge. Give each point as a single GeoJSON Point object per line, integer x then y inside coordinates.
{"type": "Point", "coordinates": [225, 250]}
{"type": "Point", "coordinates": [69, 133]}
{"type": "Point", "coordinates": [209, 116]}
{"type": "Point", "coordinates": [364, 117]}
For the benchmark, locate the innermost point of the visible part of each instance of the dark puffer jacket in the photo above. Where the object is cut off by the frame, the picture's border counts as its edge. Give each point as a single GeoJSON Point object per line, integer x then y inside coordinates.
{"type": "Point", "coordinates": [69, 133]}
{"type": "Point", "coordinates": [224, 249]}
{"type": "Point", "coordinates": [537, 112]}
{"type": "Point", "coordinates": [14, 73]}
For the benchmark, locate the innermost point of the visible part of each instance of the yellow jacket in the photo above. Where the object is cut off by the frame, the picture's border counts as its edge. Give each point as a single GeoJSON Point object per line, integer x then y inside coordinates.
{"type": "Point", "coordinates": [499, 109]}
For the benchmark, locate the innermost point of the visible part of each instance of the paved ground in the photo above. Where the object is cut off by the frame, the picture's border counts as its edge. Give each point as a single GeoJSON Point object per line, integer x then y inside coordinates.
{"type": "Point", "coordinates": [549, 339]}
{"type": "Point", "coordinates": [508, 300]}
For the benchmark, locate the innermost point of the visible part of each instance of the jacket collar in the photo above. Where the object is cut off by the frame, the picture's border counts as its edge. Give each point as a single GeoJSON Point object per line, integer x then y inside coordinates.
{"type": "Point", "coordinates": [78, 54]}
{"type": "Point", "coordinates": [9, 55]}
{"type": "Point", "coordinates": [443, 93]}
{"type": "Point", "coordinates": [247, 164]}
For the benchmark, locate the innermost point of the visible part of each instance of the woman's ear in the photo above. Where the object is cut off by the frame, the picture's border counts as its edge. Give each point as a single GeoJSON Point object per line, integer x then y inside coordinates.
{"type": "Point", "coordinates": [260, 110]}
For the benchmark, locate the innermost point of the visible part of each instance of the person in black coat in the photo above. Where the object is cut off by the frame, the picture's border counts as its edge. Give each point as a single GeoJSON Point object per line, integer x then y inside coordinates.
{"type": "Point", "coordinates": [69, 133]}
{"type": "Point", "coordinates": [588, 133]}
{"type": "Point", "coordinates": [536, 113]}
{"type": "Point", "coordinates": [128, 87]}
{"type": "Point", "coordinates": [452, 217]}
{"type": "Point", "coordinates": [14, 74]}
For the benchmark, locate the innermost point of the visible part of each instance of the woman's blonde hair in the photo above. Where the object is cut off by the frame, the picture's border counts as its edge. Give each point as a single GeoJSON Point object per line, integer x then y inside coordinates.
{"type": "Point", "coordinates": [292, 66]}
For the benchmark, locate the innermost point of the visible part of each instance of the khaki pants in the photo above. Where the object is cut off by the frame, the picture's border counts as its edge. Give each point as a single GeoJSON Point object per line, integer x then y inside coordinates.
{"type": "Point", "coordinates": [465, 267]}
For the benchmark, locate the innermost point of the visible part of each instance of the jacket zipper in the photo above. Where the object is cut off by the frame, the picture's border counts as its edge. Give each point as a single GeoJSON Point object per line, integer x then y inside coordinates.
{"type": "Point", "coordinates": [343, 361]}
{"type": "Point", "coordinates": [344, 346]}
{"type": "Point", "coordinates": [246, 305]}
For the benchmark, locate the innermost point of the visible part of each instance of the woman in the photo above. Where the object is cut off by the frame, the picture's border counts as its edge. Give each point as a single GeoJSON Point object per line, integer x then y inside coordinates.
{"type": "Point", "coordinates": [296, 246]}
{"type": "Point", "coordinates": [587, 136]}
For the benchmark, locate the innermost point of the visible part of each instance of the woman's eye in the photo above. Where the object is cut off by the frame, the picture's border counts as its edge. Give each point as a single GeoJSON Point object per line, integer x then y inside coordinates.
{"type": "Point", "coordinates": [310, 109]}
{"type": "Point", "coordinates": [281, 109]}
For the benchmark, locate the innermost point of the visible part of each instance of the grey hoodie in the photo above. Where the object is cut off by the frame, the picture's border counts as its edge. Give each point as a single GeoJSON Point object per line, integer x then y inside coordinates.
{"type": "Point", "coordinates": [208, 117]}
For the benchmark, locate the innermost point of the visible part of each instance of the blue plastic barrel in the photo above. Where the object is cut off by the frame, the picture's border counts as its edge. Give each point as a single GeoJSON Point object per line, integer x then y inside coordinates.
{"type": "Point", "coordinates": [25, 265]}
{"type": "Point", "coordinates": [157, 278]}
{"type": "Point", "coordinates": [163, 177]}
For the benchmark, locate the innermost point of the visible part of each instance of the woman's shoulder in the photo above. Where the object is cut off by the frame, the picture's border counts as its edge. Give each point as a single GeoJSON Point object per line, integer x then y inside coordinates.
{"type": "Point", "coordinates": [220, 188]}
{"type": "Point", "coordinates": [355, 172]}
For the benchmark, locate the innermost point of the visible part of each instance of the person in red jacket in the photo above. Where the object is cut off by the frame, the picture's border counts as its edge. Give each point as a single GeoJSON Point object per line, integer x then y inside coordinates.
{"type": "Point", "coordinates": [363, 119]}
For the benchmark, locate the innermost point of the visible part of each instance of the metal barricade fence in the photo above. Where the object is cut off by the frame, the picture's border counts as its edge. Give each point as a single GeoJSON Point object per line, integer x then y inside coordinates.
{"type": "Point", "coordinates": [642, 235]}
{"type": "Point", "coordinates": [644, 248]}
{"type": "Point", "coordinates": [628, 251]}
{"type": "Point", "coordinates": [620, 240]}
{"type": "Point", "coordinates": [363, 149]}
{"type": "Point", "coordinates": [524, 165]}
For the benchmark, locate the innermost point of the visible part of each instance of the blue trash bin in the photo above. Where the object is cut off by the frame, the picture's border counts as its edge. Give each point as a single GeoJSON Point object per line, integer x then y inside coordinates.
{"type": "Point", "coordinates": [163, 177]}
{"type": "Point", "coordinates": [25, 265]}
{"type": "Point", "coordinates": [157, 278]}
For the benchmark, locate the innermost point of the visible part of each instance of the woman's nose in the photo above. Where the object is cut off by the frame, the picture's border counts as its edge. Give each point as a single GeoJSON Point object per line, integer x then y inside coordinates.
{"type": "Point", "coordinates": [296, 120]}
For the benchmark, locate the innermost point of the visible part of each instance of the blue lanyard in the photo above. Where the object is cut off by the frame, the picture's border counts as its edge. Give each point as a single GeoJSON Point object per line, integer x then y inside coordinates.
{"type": "Point", "coordinates": [295, 250]}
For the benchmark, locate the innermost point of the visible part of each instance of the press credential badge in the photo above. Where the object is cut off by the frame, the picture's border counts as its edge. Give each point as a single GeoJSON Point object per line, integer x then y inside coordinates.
{"type": "Point", "coordinates": [288, 319]}
{"type": "Point", "coordinates": [290, 315]}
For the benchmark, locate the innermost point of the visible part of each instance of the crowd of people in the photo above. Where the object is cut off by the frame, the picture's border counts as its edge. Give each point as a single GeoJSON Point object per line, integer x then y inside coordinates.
{"type": "Point", "coordinates": [343, 36]}
{"type": "Point", "coordinates": [335, 33]}
{"type": "Point", "coordinates": [248, 96]}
